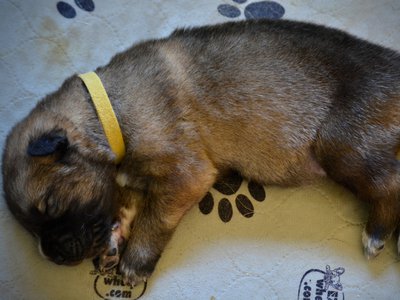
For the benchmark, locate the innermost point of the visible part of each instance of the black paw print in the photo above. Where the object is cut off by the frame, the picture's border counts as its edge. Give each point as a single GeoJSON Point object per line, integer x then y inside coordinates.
{"type": "Point", "coordinates": [67, 10]}
{"type": "Point", "coordinates": [229, 186]}
{"type": "Point", "coordinates": [254, 10]}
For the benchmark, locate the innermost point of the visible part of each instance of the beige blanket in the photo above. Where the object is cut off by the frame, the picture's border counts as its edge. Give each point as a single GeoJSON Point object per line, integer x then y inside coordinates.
{"type": "Point", "coordinates": [243, 241]}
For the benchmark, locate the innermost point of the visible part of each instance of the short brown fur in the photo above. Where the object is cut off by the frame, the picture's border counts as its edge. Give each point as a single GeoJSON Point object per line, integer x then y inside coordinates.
{"type": "Point", "coordinates": [280, 102]}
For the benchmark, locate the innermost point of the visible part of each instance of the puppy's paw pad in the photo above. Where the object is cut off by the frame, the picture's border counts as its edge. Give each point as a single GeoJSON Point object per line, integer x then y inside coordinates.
{"type": "Point", "coordinates": [112, 252]}
{"type": "Point", "coordinates": [372, 246]}
{"type": "Point", "coordinates": [109, 260]}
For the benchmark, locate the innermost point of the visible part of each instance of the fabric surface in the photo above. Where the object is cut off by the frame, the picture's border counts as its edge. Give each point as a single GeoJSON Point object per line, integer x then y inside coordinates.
{"type": "Point", "coordinates": [244, 241]}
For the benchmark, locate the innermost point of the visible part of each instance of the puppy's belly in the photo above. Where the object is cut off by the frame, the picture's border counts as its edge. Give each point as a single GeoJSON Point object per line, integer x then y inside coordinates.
{"type": "Point", "coordinates": [268, 160]}
{"type": "Point", "coordinates": [284, 168]}
{"type": "Point", "coordinates": [265, 147]}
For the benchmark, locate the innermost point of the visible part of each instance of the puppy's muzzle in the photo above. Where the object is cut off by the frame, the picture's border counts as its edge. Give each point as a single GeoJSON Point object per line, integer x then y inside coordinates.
{"type": "Point", "coordinates": [64, 250]}
{"type": "Point", "coordinates": [70, 247]}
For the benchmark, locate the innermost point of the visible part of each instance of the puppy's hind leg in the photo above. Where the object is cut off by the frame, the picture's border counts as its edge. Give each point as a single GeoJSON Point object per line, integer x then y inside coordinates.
{"type": "Point", "coordinates": [384, 216]}
{"type": "Point", "coordinates": [374, 176]}
{"type": "Point", "coordinates": [384, 213]}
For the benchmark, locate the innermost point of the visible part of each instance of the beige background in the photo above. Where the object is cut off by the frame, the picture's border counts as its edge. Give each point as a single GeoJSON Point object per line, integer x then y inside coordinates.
{"type": "Point", "coordinates": [262, 257]}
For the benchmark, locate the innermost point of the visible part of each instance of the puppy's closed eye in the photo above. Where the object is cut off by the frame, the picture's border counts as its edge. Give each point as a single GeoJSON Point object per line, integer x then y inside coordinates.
{"type": "Point", "coordinates": [50, 207]}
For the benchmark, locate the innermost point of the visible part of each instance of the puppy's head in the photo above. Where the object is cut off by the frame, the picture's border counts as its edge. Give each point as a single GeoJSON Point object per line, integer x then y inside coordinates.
{"type": "Point", "coordinates": [58, 176]}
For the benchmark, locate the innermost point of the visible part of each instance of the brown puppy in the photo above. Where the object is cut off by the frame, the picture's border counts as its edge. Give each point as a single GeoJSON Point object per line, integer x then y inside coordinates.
{"type": "Point", "coordinates": [310, 100]}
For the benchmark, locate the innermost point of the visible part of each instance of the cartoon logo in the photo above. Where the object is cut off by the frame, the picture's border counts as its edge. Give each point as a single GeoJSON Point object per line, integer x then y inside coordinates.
{"type": "Point", "coordinates": [321, 285]}
{"type": "Point", "coordinates": [110, 286]}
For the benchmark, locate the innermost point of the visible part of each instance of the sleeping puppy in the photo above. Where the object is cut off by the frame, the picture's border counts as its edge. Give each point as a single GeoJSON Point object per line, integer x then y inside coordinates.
{"type": "Point", "coordinates": [311, 101]}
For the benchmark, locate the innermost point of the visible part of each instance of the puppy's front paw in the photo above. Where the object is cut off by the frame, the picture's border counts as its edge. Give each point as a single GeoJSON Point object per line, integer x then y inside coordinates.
{"type": "Point", "coordinates": [110, 258]}
{"type": "Point", "coordinates": [135, 270]}
{"type": "Point", "coordinates": [372, 246]}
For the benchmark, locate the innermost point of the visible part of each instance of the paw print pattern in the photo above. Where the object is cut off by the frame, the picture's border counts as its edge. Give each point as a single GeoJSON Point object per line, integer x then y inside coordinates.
{"type": "Point", "coordinates": [255, 10]}
{"type": "Point", "coordinates": [228, 187]}
{"type": "Point", "coordinates": [69, 12]}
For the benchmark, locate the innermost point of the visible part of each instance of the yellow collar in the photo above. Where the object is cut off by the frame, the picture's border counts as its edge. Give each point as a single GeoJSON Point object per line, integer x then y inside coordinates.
{"type": "Point", "coordinates": [105, 113]}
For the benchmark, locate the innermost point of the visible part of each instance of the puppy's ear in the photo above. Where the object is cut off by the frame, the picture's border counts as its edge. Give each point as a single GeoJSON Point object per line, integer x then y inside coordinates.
{"type": "Point", "coordinates": [52, 143]}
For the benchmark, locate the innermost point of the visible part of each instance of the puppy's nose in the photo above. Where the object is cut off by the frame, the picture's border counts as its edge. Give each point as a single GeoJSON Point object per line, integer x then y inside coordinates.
{"type": "Point", "coordinates": [59, 260]}
{"type": "Point", "coordinates": [71, 249]}
{"type": "Point", "coordinates": [63, 250]}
